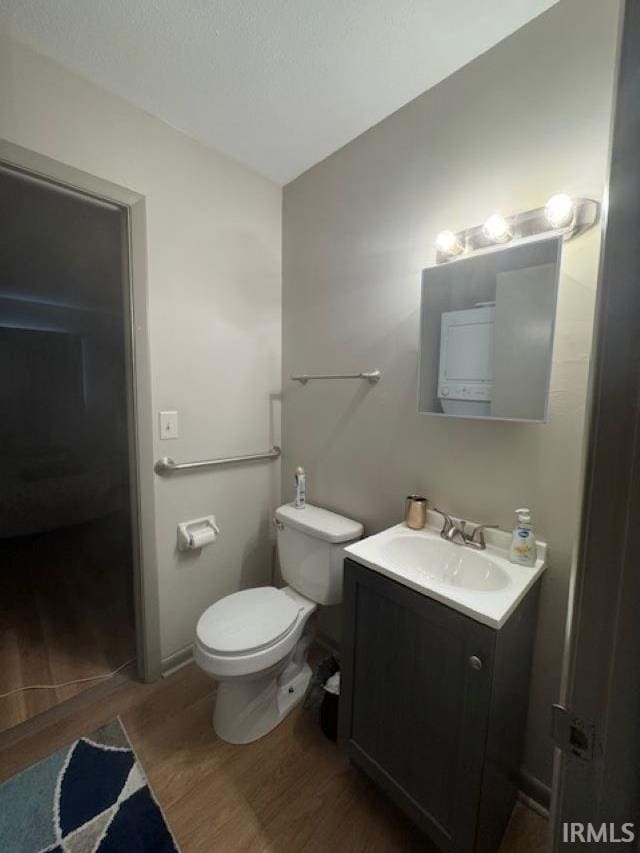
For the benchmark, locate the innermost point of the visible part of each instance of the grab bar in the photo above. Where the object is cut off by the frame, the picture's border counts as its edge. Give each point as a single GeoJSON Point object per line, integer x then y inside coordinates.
{"type": "Point", "coordinates": [372, 376]}
{"type": "Point", "coordinates": [166, 465]}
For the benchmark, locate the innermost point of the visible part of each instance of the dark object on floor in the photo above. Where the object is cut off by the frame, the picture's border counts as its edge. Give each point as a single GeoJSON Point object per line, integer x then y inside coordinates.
{"type": "Point", "coordinates": [91, 795]}
{"type": "Point", "coordinates": [316, 692]}
{"type": "Point", "coordinates": [329, 715]}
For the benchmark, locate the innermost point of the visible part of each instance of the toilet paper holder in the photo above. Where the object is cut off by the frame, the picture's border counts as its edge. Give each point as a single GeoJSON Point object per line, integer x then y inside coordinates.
{"type": "Point", "coordinates": [195, 534]}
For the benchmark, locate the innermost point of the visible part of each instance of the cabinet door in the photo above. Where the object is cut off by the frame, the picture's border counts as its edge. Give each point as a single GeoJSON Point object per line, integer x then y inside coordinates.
{"type": "Point", "coordinates": [414, 705]}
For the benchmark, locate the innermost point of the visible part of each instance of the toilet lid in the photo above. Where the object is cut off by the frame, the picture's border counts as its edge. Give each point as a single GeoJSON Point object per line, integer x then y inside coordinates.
{"type": "Point", "coordinates": [247, 621]}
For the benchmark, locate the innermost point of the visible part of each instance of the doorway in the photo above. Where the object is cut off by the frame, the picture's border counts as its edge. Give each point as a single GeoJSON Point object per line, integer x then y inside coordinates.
{"type": "Point", "coordinates": [67, 542]}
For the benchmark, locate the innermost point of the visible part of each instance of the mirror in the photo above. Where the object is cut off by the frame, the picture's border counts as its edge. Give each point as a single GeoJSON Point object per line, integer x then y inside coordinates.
{"type": "Point", "coordinates": [486, 336]}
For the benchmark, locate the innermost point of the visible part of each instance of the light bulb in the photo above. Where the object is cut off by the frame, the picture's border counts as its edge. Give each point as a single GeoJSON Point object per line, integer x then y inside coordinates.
{"type": "Point", "coordinates": [496, 229]}
{"type": "Point", "coordinates": [448, 244]}
{"type": "Point", "coordinates": [560, 210]}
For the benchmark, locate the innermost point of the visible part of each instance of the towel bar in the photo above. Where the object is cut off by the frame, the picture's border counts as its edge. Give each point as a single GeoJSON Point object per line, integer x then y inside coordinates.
{"type": "Point", "coordinates": [372, 376]}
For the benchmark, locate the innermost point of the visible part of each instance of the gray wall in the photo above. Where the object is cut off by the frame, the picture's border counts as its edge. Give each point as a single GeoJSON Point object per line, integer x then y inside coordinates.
{"type": "Point", "coordinates": [527, 119]}
{"type": "Point", "coordinates": [213, 244]}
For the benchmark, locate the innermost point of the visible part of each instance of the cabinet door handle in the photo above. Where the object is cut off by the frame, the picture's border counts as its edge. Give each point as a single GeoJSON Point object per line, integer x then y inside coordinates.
{"type": "Point", "coordinates": [475, 662]}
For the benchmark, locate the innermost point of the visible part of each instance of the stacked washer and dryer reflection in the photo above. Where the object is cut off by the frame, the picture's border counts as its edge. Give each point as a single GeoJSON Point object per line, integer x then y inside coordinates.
{"type": "Point", "coordinates": [465, 376]}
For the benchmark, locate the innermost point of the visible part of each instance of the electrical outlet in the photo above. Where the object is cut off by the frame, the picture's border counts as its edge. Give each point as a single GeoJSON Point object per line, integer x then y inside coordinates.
{"type": "Point", "coordinates": [168, 424]}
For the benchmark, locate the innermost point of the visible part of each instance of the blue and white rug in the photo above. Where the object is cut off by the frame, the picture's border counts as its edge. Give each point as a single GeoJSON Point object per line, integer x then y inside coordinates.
{"type": "Point", "coordinates": [89, 797]}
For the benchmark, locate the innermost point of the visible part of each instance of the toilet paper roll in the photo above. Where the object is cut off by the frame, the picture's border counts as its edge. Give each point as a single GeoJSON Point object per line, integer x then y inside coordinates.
{"type": "Point", "coordinates": [201, 536]}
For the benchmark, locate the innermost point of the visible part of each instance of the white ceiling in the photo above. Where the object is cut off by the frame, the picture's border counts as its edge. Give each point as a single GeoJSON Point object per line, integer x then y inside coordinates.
{"type": "Point", "coordinates": [276, 84]}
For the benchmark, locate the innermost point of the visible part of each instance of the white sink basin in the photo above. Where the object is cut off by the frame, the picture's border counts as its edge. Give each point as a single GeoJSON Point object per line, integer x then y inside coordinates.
{"type": "Point", "coordinates": [448, 564]}
{"type": "Point", "coordinates": [484, 585]}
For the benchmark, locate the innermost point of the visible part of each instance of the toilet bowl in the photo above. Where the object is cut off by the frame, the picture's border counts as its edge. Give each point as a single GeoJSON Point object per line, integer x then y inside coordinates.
{"type": "Point", "coordinates": [254, 642]}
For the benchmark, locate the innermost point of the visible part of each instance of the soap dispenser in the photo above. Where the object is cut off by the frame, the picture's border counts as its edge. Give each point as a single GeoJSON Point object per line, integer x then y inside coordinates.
{"type": "Point", "coordinates": [523, 543]}
{"type": "Point", "coordinates": [300, 493]}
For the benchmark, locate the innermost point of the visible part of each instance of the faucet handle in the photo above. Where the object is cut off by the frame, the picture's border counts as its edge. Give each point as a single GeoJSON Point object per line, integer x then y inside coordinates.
{"type": "Point", "coordinates": [447, 521]}
{"type": "Point", "coordinates": [453, 530]}
{"type": "Point", "coordinates": [477, 536]}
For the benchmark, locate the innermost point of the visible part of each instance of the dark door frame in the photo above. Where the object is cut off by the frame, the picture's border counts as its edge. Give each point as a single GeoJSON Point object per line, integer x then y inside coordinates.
{"type": "Point", "coordinates": [138, 384]}
{"type": "Point", "coordinates": [602, 665]}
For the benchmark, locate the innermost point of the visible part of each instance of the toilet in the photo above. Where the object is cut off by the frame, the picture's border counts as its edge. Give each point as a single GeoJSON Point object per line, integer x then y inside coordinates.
{"type": "Point", "coordinates": [254, 642]}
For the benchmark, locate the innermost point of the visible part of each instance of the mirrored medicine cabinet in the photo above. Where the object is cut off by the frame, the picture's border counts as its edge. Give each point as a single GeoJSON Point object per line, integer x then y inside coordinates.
{"type": "Point", "coordinates": [486, 333]}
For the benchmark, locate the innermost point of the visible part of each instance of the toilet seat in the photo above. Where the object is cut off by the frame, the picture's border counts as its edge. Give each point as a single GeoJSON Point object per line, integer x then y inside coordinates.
{"type": "Point", "coordinates": [247, 621]}
{"type": "Point", "coordinates": [233, 624]}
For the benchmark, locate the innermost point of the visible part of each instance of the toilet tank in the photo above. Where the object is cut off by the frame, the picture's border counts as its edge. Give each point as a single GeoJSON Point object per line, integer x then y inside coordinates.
{"type": "Point", "coordinates": [311, 544]}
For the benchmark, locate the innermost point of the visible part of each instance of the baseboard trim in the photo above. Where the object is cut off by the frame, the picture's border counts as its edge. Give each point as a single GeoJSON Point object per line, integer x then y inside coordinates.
{"type": "Point", "coordinates": [535, 794]}
{"type": "Point", "coordinates": [177, 660]}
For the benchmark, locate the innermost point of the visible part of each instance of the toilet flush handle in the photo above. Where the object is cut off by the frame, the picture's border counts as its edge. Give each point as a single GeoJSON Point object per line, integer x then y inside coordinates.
{"type": "Point", "coordinates": [278, 524]}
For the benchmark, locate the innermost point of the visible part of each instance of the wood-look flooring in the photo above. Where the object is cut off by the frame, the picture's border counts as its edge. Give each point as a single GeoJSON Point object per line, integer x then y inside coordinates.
{"type": "Point", "coordinates": [290, 792]}
{"type": "Point", "coordinates": [66, 612]}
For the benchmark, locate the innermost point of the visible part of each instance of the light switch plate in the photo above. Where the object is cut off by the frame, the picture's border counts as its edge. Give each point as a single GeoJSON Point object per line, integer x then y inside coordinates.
{"type": "Point", "coordinates": [168, 424]}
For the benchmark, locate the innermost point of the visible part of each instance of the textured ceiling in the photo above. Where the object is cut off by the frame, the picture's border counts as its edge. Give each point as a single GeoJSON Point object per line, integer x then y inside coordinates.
{"type": "Point", "coordinates": [276, 84]}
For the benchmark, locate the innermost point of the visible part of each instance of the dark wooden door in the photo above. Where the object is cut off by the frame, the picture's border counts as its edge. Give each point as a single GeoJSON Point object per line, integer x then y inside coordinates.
{"type": "Point", "coordinates": [414, 710]}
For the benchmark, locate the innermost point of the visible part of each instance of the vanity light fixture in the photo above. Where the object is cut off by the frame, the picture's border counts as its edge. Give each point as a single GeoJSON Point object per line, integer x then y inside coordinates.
{"type": "Point", "coordinates": [560, 210]}
{"type": "Point", "coordinates": [497, 229]}
{"type": "Point", "coordinates": [571, 215]}
{"type": "Point", "coordinates": [447, 243]}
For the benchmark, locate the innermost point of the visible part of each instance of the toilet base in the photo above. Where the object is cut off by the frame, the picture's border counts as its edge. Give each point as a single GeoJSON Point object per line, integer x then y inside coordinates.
{"type": "Point", "coordinates": [246, 710]}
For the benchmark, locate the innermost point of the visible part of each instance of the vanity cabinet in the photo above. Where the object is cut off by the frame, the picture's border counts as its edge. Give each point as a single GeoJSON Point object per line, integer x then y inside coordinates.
{"type": "Point", "coordinates": [433, 706]}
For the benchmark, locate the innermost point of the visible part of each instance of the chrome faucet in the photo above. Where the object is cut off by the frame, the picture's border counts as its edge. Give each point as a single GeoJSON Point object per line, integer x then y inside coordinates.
{"type": "Point", "coordinates": [456, 532]}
